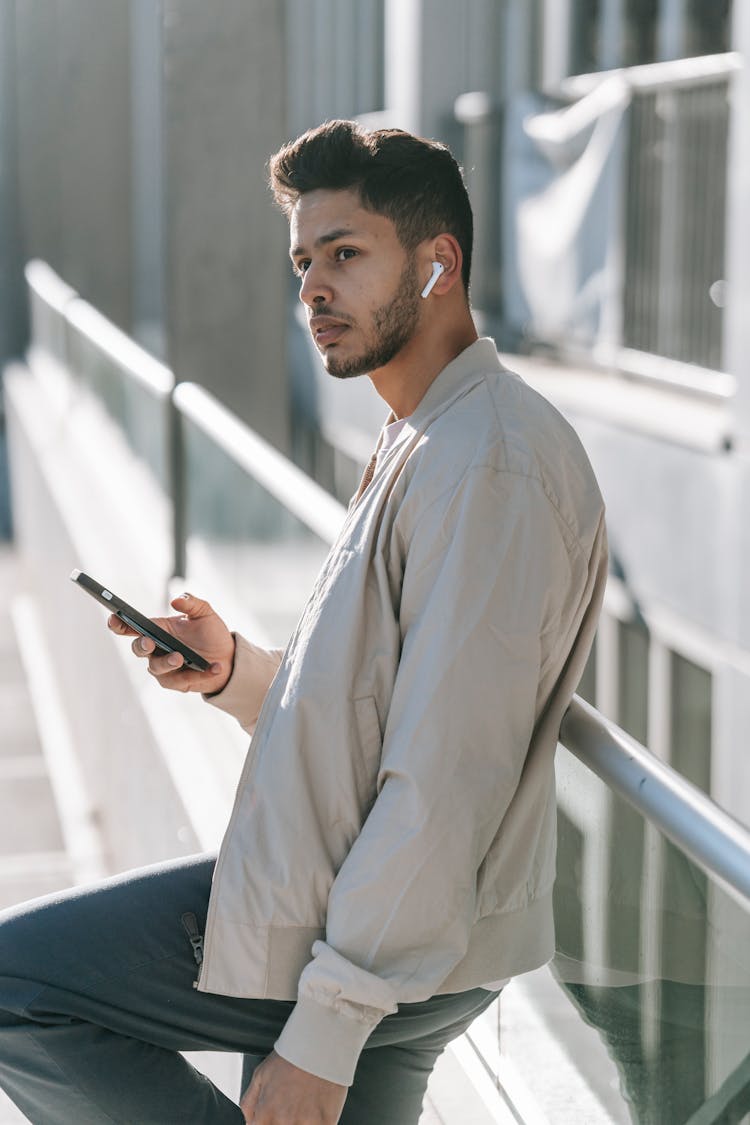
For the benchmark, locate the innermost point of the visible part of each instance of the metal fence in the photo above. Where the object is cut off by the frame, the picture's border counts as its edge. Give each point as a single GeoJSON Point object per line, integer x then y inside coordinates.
{"type": "Point", "coordinates": [670, 233]}
{"type": "Point", "coordinates": [675, 217]}
{"type": "Point", "coordinates": [705, 877]}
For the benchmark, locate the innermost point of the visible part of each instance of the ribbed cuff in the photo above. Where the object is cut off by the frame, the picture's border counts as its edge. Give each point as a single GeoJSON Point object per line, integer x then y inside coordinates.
{"type": "Point", "coordinates": [252, 672]}
{"type": "Point", "coordinates": [322, 1041]}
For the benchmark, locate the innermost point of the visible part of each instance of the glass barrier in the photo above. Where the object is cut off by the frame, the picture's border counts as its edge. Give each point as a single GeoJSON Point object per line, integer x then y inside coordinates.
{"type": "Point", "coordinates": [139, 404]}
{"type": "Point", "coordinates": [645, 1010]}
{"type": "Point", "coordinates": [249, 553]}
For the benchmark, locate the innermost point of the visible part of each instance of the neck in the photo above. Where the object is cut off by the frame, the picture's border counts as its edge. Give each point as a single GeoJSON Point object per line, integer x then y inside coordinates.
{"type": "Point", "coordinates": [403, 382]}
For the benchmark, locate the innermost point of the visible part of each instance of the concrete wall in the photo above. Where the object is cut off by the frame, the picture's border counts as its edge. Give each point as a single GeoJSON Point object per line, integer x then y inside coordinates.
{"type": "Point", "coordinates": [226, 248]}
{"type": "Point", "coordinates": [144, 129]}
{"type": "Point", "coordinates": [147, 175]}
{"type": "Point", "coordinates": [13, 320]}
{"type": "Point", "coordinates": [12, 306]}
{"type": "Point", "coordinates": [73, 60]}
{"type": "Point", "coordinates": [436, 50]}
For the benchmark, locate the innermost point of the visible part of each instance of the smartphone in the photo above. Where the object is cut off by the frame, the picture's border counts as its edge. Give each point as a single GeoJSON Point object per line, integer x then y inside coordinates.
{"type": "Point", "coordinates": [143, 625]}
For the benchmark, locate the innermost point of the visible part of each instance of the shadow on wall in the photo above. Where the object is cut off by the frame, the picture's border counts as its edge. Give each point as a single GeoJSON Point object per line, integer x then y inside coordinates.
{"type": "Point", "coordinates": [5, 520]}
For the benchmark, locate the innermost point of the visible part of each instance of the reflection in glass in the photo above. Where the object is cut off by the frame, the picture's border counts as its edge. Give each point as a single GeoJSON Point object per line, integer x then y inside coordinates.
{"type": "Point", "coordinates": [142, 415]}
{"type": "Point", "coordinates": [632, 712]}
{"type": "Point", "coordinates": [244, 543]}
{"type": "Point", "coordinates": [691, 721]}
{"type": "Point", "coordinates": [654, 955]}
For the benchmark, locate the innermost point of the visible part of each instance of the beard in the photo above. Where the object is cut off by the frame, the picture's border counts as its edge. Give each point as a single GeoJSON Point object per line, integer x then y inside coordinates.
{"type": "Point", "coordinates": [393, 324]}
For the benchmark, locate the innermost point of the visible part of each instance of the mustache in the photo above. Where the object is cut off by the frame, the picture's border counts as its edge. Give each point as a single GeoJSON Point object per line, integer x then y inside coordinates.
{"type": "Point", "coordinates": [325, 312]}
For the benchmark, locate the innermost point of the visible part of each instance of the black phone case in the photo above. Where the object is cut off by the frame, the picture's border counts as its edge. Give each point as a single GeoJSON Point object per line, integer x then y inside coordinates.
{"type": "Point", "coordinates": [137, 621]}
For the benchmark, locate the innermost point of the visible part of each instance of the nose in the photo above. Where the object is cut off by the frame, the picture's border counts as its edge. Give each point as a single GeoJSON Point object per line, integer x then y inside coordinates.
{"type": "Point", "coordinates": [314, 288]}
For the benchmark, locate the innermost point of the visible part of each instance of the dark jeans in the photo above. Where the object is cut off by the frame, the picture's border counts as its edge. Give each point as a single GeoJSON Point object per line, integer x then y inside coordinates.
{"type": "Point", "coordinates": [97, 1001]}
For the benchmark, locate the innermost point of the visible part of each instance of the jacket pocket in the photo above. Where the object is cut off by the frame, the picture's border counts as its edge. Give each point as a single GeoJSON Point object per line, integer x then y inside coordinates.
{"type": "Point", "coordinates": [370, 740]}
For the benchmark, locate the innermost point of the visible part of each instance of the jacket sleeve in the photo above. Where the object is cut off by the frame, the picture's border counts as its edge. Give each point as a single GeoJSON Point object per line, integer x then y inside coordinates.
{"type": "Point", "coordinates": [253, 671]}
{"type": "Point", "coordinates": [487, 576]}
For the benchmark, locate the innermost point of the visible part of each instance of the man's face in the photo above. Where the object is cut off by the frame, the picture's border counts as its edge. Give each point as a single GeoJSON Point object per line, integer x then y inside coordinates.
{"type": "Point", "coordinates": [360, 288]}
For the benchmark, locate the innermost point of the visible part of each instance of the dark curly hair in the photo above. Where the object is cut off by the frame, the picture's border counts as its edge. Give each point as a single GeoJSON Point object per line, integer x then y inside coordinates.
{"type": "Point", "coordinates": [416, 183]}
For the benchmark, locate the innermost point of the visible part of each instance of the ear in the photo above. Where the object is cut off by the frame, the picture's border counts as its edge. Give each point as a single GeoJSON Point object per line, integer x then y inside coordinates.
{"type": "Point", "coordinates": [446, 250]}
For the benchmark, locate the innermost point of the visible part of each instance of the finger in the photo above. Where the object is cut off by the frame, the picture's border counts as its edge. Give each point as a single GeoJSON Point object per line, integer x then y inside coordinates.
{"type": "Point", "coordinates": [117, 625]}
{"type": "Point", "coordinates": [164, 664]}
{"type": "Point", "coordinates": [249, 1100]}
{"type": "Point", "coordinates": [142, 646]}
{"type": "Point", "coordinates": [191, 607]}
{"type": "Point", "coordinates": [183, 680]}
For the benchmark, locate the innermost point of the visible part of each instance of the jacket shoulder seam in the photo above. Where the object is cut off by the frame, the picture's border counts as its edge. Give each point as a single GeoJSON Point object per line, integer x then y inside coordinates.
{"type": "Point", "coordinates": [570, 536]}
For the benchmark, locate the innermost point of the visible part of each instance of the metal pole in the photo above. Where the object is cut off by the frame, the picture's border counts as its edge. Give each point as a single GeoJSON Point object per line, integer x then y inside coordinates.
{"type": "Point", "coordinates": [482, 123]}
{"type": "Point", "coordinates": [176, 471]}
{"type": "Point", "coordinates": [712, 839]}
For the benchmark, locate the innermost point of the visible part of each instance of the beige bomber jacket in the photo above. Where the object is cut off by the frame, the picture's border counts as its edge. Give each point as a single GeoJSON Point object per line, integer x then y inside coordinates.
{"type": "Point", "coordinates": [393, 834]}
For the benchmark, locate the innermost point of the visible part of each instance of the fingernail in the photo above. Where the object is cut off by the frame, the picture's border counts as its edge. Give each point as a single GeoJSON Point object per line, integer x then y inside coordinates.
{"type": "Point", "coordinates": [215, 669]}
{"type": "Point", "coordinates": [174, 659]}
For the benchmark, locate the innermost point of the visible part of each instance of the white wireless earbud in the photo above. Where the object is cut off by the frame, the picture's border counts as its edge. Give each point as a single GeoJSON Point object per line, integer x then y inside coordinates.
{"type": "Point", "coordinates": [437, 269]}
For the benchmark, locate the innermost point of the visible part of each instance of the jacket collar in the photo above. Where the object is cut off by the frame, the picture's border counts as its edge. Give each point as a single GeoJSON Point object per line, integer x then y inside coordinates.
{"type": "Point", "coordinates": [456, 378]}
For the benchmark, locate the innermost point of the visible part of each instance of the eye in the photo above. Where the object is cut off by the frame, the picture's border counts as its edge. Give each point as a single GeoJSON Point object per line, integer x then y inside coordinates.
{"type": "Point", "coordinates": [345, 253]}
{"type": "Point", "coordinates": [301, 267]}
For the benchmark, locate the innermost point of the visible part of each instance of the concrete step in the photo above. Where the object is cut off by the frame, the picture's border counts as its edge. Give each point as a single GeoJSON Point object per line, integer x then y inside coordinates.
{"type": "Point", "coordinates": [32, 856]}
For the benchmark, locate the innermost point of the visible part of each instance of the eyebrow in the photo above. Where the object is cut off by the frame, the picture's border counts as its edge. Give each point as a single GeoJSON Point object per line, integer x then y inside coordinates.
{"type": "Point", "coordinates": [324, 239]}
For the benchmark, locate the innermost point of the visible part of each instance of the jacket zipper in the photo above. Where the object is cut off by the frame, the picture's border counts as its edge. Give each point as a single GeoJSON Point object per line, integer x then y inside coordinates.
{"type": "Point", "coordinates": [191, 928]}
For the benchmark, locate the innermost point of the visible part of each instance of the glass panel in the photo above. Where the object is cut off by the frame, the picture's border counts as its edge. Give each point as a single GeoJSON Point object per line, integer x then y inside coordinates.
{"type": "Point", "coordinates": [244, 546]}
{"type": "Point", "coordinates": [142, 414]}
{"type": "Point", "coordinates": [632, 716]}
{"type": "Point", "coordinates": [47, 326]}
{"type": "Point", "coordinates": [644, 1014]}
{"type": "Point", "coordinates": [691, 721]}
{"type": "Point", "coordinates": [675, 207]}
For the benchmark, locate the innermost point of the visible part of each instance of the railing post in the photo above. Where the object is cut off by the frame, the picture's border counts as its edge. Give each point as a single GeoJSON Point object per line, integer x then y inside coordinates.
{"type": "Point", "coordinates": [176, 472]}
{"type": "Point", "coordinates": [481, 119]}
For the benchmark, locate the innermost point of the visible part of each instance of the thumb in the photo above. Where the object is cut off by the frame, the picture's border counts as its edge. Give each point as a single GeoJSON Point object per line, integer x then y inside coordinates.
{"type": "Point", "coordinates": [191, 607]}
{"type": "Point", "coordinates": [249, 1100]}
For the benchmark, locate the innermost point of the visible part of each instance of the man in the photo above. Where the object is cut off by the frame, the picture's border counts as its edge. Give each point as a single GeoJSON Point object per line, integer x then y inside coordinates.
{"type": "Point", "coordinates": [390, 858]}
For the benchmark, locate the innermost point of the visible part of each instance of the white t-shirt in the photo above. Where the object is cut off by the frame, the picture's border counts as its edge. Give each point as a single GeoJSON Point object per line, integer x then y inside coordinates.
{"type": "Point", "coordinates": [389, 437]}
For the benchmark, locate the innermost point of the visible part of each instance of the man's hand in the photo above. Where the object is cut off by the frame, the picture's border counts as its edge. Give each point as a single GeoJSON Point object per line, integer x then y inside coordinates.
{"type": "Point", "coordinates": [199, 628]}
{"type": "Point", "coordinates": [282, 1094]}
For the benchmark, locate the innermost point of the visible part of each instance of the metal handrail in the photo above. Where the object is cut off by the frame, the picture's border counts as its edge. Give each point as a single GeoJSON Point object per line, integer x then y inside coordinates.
{"type": "Point", "coordinates": [671, 74]}
{"type": "Point", "coordinates": [48, 285]}
{"type": "Point", "coordinates": [49, 297]}
{"type": "Point", "coordinates": [129, 356]}
{"type": "Point", "coordinates": [710, 837]}
{"type": "Point", "coordinates": [293, 488]}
